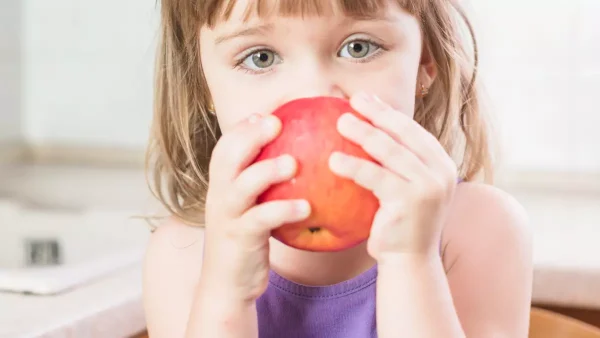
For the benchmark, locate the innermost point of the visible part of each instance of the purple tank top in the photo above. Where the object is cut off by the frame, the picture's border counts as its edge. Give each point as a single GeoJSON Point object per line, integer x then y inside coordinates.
{"type": "Point", "coordinates": [344, 310]}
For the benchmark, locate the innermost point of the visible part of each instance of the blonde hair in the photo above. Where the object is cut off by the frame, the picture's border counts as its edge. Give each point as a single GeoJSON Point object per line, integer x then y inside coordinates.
{"type": "Point", "coordinates": [184, 132]}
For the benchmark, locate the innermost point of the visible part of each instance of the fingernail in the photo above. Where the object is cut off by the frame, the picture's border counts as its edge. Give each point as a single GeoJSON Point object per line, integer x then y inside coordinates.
{"type": "Point", "coordinates": [336, 160]}
{"type": "Point", "coordinates": [302, 208]}
{"type": "Point", "coordinates": [344, 122]}
{"type": "Point", "coordinates": [254, 118]}
{"type": "Point", "coordinates": [347, 117]}
{"type": "Point", "coordinates": [364, 97]}
{"type": "Point", "coordinates": [270, 124]}
{"type": "Point", "coordinates": [337, 156]}
{"type": "Point", "coordinates": [286, 165]}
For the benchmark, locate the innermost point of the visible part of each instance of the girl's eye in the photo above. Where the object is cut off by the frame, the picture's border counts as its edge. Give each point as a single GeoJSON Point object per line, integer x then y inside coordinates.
{"type": "Point", "coordinates": [260, 60]}
{"type": "Point", "coordinates": [358, 49]}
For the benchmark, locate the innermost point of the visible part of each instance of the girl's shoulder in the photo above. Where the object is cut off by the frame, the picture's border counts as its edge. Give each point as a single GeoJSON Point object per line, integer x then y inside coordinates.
{"type": "Point", "coordinates": [484, 219]}
{"type": "Point", "coordinates": [177, 240]}
{"type": "Point", "coordinates": [172, 267]}
{"type": "Point", "coordinates": [473, 199]}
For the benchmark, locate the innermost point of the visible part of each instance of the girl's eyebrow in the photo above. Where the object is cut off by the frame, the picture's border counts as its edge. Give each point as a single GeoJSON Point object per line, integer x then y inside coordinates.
{"type": "Point", "coordinates": [246, 31]}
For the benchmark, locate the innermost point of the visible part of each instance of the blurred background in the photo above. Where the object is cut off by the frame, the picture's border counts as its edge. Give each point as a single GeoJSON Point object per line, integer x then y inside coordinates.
{"type": "Point", "coordinates": [76, 105]}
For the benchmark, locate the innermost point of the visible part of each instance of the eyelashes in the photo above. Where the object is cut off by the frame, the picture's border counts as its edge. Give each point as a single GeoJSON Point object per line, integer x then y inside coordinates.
{"type": "Point", "coordinates": [260, 60]}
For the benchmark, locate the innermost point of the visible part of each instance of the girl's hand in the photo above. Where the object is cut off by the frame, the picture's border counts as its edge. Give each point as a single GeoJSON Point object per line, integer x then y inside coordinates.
{"type": "Point", "coordinates": [236, 251]}
{"type": "Point", "coordinates": [414, 183]}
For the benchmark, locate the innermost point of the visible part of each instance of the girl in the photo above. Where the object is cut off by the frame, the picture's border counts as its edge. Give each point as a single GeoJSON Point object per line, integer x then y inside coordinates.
{"type": "Point", "coordinates": [443, 260]}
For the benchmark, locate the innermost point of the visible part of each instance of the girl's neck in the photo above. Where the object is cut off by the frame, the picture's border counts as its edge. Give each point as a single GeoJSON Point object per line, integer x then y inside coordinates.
{"type": "Point", "coordinates": [319, 268]}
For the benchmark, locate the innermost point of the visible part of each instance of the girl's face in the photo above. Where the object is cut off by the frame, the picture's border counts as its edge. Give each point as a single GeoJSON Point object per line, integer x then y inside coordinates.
{"type": "Point", "coordinates": [257, 65]}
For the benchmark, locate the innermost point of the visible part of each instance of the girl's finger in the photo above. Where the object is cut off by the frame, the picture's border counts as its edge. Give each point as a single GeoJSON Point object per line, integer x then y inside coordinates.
{"type": "Point", "coordinates": [240, 146]}
{"type": "Point", "coordinates": [369, 175]}
{"type": "Point", "coordinates": [382, 147]}
{"type": "Point", "coordinates": [268, 216]}
{"type": "Point", "coordinates": [256, 179]}
{"type": "Point", "coordinates": [400, 127]}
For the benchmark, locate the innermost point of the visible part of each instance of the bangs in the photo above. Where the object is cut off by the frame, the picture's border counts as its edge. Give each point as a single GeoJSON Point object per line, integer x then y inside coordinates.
{"type": "Point", "coordinates": [213, 11]}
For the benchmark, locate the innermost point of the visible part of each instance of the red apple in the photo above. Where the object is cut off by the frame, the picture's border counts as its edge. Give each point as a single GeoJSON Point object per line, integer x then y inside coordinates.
{"type": "Point", "coordinates": [342, 211]}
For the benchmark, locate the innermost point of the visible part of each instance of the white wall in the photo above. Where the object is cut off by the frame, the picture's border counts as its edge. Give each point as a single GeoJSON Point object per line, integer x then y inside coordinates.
{"type": "Point", "coordinates": [88, 77]}
{"type": "Point", "coordinates": [10, 70]}
{"type": "Point", "coordinates": [88, 71]}
{"type": "Point", "coordinates": [541, 63]}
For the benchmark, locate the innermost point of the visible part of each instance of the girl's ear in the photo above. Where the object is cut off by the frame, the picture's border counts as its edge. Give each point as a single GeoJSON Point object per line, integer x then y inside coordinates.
{"type": "Point", "coordinates": [427, 71]}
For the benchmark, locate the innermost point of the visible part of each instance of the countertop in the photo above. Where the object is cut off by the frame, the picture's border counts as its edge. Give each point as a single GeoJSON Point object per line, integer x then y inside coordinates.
{"type": "Point", "coordinates": [108, 308]}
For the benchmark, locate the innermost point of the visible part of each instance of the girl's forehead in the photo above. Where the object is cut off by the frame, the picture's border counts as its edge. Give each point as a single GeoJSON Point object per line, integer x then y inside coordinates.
{"type": "Point", "coordinates": [245, 10]}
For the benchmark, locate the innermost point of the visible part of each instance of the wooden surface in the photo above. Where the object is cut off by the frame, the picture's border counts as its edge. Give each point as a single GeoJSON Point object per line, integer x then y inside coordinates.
{"type": "Point", "coordinates": [549, 324]}
{"type": "Point", "coordinates": [590, 316]}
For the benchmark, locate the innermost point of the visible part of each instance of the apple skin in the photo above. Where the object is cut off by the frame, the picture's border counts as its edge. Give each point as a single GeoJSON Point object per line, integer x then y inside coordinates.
{"type": "Point", "coordinates": [342, 212]}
